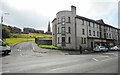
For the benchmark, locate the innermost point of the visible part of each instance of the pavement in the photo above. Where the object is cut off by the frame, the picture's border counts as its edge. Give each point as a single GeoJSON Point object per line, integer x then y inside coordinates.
{"type": "Point", "coordinates": [27, 57]}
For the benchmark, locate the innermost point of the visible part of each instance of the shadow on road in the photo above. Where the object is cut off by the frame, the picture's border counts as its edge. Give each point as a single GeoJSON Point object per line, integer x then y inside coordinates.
{"type": "Point", "coordinates": [3, 55]}
{"type": "Point", "coordinates": [71, 52]}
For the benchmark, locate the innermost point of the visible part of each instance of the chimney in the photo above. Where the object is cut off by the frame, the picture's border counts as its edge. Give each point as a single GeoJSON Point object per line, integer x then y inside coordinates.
{"type": "Point", "coordinates": [73, 9]}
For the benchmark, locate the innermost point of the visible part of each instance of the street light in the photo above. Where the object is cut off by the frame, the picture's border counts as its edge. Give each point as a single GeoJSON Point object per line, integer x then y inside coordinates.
{"type": "Point", "coordinates": [2, 16]}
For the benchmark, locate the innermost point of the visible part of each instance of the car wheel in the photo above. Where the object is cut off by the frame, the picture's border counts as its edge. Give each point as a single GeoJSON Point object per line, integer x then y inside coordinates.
{"type": "Point", "coordinates": [6, 52]}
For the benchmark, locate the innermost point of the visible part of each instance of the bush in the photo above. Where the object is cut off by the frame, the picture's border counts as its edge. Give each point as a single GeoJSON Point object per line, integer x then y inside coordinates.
{"type": "Point", "coordinates": [5, 32]}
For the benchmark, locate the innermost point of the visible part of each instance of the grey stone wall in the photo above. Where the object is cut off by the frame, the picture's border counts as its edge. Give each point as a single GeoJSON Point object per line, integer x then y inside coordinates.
{"type": "Point", "coordinates": [40, 41]}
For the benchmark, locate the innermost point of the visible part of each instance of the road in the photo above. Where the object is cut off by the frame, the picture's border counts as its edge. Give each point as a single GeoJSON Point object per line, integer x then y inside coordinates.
{"type": "Point", "coordinates": [25, 58]}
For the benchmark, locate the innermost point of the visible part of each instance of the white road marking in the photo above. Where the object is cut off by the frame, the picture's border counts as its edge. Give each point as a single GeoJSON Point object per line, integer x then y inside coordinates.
{"type": "Point", "coordinates": [19, 50]}
{"type": "Point", "coordinates": [104, 56]}
{"type": "Point", "coordinates": [53, 69]}
{"type": "Point", "coordinates": [21, 54]}
{"type": "Point", "coordinates": [106, 59]}
{"type": "Point", "coordinates": [5, 71]}
{"type": "Point", "coordinates": [33, 47]}
{"type": "Point", "coordinates": [95, 59]}
{"type": "Point", "coordinates": [108, 53]}
{"type": "Point", "coordinates": [57, 69]}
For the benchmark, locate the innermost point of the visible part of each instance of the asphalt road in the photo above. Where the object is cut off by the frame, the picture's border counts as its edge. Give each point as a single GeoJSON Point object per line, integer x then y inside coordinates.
{"type": "Point", "coordinates": [25, 58]}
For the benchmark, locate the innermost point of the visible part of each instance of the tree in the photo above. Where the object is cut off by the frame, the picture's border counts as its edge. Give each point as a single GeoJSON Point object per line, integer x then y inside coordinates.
{"type": "Point", "coordinates": [5, 32]}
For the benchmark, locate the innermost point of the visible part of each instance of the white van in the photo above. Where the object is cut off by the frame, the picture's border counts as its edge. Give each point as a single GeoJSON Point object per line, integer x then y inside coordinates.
{"type": "Point", "coordinates": [4, 49]}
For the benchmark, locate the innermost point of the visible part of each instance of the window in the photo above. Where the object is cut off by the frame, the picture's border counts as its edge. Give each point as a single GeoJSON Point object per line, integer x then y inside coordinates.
{"type": "Point", "coordinates": [58, 40]}
{"type": "Point", "coordinates": [69, 30]}
{"type": "Point", "coordinates": [93, 25]}
{"type": "Point", "coordinates": [58, 31]}
{"type": "Point", "coordinates": [68, 19]}
{"type": "Point", "coordinates": [97, 25]}
{"type": "Point", "coordinates": [89, 32]}
{"type": "Point", "coordinates": [63, 41]}
{"type": "Point", "coordinates": [100, 34]}
{"type": "Point", "coordinates": [89, 24]}
{"type": "Point", "coordinates": [97, 33]}
{"type": "Point", "coordinates": [82, 22]}
{"type": "Point", "coordinates": [69, 39]}
{"type": "Point", "coordinates": [106, 35]}
{"type": "Point", "coordinates": [109, 28]}
{"type": "Point", "coordinates": [63, 30]}
{"type": "Point", "coordinates": [110, 35]}
{"type": "Point", "coordinates": [58, 20]}
{"type": "Point", "coordinates": [81, 40]}
{"type": "Point", "coordinates": [63, 23]}
{"type": "Point", "coordinates": [83, 31]}
{"type": "Point", "coordinates": [93, 33]}
{"type": "Point", "coordinates": [63, 19]}
{"type": "Point", "coordinates": [84, 40]}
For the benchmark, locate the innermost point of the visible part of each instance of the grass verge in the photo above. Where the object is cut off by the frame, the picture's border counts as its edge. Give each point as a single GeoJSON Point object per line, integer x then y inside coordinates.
{"type": "Point", "coordinates": [48, 46]}
{"type": "Point", "coordinates": [10, 41]}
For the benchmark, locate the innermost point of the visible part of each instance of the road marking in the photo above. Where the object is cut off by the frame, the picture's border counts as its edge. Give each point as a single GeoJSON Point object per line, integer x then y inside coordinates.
{"type": "Point", "coordinates": [33, 47]}
{"type": "Point", "coordinates": [57, 69]}
{"type": "Point", "coordinates": [5, 71]}
{"type": "Point", "coordinates": [104, 56]}
{"type": "Point", "coordinates": [108, 53]}
{"type": "Point", "coordinates": [21, 54]}
{"type": "Point", "coordinates": [106, 59]}
{"type": "Point", "coordinates": [53, 69]}
{"type": "Point", "coordinates": [95, 59]}
{"type": "Point", "coordinates": [19, 50]}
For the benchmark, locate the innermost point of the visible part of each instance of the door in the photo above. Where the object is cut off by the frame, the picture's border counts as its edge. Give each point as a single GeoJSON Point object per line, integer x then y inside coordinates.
{"type": "Point", "coordinates": [91, 44]}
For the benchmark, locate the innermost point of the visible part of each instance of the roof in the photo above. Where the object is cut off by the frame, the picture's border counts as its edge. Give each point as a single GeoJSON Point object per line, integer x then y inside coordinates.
{"type": "Point", "coordinates": [53, 20]}
{"type": "Point", "coordinates": [63, 11]}
{"type": "Point", "coordinates": [101, 22]}
{"type": "Point", "coordinates": [84, 18]}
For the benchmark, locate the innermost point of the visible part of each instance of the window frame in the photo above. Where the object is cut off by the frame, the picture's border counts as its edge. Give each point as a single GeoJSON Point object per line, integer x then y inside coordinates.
{"type": "Point", "coordinates": [83, 31]}
{"type": "Point", "coordinates": [69, 39]}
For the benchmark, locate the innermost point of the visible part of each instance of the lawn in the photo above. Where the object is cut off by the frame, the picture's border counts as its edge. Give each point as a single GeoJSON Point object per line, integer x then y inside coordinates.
{"type": "Point", "coordinates": [31, 35]}
{"type": "Point", "coordinates": [10, 41]}
{"type": "Point", "coordinates": [15, 38]}
{"type": "Point", "coordinates": [48, 46]}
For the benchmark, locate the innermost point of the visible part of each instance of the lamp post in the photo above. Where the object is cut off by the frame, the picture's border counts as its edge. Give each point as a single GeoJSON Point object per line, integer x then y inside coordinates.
{"type": "Point", "coordinates": [2, 18]}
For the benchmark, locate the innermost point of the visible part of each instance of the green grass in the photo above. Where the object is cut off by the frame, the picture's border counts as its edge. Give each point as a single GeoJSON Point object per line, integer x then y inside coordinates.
{"type": "Point", "coordinates": [31, 35]}
{"type": "Point", "coordinates": [10, 41]}
{"type": "Point", "coordinates": [16, 38]}
{"type": "Point", "coordinates": [48, 46]}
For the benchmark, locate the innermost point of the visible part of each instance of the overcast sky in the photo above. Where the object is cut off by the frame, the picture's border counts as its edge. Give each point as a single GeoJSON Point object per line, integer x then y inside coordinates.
{"type": "Point", "coordinates": [37, 13]}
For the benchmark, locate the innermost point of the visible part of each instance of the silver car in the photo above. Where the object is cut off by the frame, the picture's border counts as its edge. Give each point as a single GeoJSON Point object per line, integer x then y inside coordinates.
{"type": "Point", "coordinates": [4, 49]}
{"type": "Point", "coordinates": [115, 48]}
{"type": "Point", "coordinates": [100, 48]}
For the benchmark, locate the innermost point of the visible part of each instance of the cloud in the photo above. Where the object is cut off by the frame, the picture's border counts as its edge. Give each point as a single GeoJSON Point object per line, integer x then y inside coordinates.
{"type": "Point", "coordinates": [24, 18]}
{"type": "Point", "coordinates": [37, 13]}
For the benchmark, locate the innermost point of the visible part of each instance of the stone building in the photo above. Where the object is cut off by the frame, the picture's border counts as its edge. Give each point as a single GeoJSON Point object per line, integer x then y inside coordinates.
{"type": "Point", "coordinates": [70, 31]}
{"type": "Point", "coordinates": [14, 29]}
{"type": "Point", "coordinates": [31, 30]}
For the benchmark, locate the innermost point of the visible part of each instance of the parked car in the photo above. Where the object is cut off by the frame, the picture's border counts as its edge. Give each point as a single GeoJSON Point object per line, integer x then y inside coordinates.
{"type": "Point", "coordinates": [115, 48]}
{"type": "Point", "coordinates": [100, 48]}
{"type": "Point", "coordinates": [4, 49]}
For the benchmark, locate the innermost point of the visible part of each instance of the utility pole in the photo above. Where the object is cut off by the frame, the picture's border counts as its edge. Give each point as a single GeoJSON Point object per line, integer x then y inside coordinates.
{"type": "Point", "coordinates": [2, 18]}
